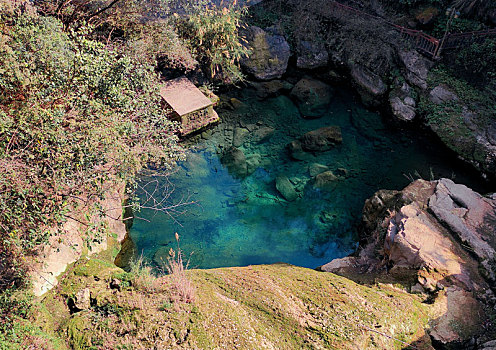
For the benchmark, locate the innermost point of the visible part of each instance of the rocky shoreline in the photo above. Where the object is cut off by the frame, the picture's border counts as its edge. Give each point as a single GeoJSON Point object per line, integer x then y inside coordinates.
{"type": "Point", "coordinates": [438, 238]}
{"type": "Point", "coordinates": [402, 82]}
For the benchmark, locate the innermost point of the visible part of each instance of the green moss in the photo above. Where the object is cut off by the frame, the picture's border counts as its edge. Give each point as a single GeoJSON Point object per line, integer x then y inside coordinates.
{"type": "Point", "coordinates": [94, 267]}
{"type": "Point", "coordinates": [77, 332]}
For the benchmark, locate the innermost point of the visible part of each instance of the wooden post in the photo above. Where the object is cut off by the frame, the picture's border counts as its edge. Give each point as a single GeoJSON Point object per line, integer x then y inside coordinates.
{"type": "Point", "coordinates": [448, 23]}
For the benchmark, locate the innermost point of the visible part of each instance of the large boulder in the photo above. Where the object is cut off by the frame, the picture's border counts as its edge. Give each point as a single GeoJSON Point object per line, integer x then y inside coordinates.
{"type": "Point", "coordinates": [322, 139]}
{"type": "Point", "coordinates": [286, 188]}
{"type": "Point", "coordinates": [471, 218]}
{"type": "Point", "coordinates": [438, 238]}
{"type": "Point", "coordinates": [269, 54]}
{"type": "Point", "coordinates": [402, 109]}
{"type": "Point", "coordinates": [311, 55]}
{"type": "Point", "coordinates": [402, 103]}
{"type": "Point", "coordinates": [312, 97]}
{"type": "Point", "coordinates": [326, 180]}
{"type": "Point", "coordinates": [369, 85]}
{"type": "Point", "coordinates": [235, 161]}
{"type": "Point", "coordinates": [441, 94]}
{"type": "Point", "coordinates": [296, 151]}
{"type": "Point", "coordinates": [416, 68]}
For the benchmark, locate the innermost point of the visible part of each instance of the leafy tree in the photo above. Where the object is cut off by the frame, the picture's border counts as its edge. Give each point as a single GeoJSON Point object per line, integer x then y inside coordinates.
{"type": "Point", "coordinates": [212, 33]}
{"type": "Point", "coordinates": [74, 115]}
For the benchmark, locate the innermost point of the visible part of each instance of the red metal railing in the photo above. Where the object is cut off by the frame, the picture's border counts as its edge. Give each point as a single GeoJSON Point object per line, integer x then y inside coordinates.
{"type": "Point", "coordinates": [423, 42]}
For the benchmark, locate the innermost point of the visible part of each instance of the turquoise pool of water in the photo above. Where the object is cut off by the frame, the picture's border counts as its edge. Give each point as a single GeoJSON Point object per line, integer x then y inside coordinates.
{"type": "Point", "coordinates": [242, 221]}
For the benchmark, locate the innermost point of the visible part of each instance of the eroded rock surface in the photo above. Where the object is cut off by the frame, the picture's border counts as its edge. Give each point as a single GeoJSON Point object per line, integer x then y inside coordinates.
{"type": "Point", "coordinates": [311, 55]}
{"type": "Point", "coordinates": [369, 85]}
{"type": "Point", "coordinates": [312, 97]}
{"type": "Point", "coordinates": [416, 68]}
{"type": "Point", "coordinates": [322, 139]}
{"type": "Point", "coordinates": [439, 237]}
{"type": "Point", "coordinates": [269, 56]}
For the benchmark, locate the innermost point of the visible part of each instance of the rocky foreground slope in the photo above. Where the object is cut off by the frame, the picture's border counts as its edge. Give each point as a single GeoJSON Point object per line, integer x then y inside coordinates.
{"type": "Point", "coordinates": [440, 238]}
{"type": "Point", "coordinates": [422, 279]}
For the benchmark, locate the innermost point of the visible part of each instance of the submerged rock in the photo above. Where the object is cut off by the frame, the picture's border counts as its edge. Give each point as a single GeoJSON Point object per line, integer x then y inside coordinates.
{"type": "Point", "coordinates": [326, 180]}
{"type": "Point", "coordinates": [270, 54]}
{"type": "Point", "coordinates": [315, 169]}
{"type": "Point", "coordinates": [322, 139]}
{"type": "Point", "coordinates": [235, 161]}
{"type": "Point", "coordinates": [312, 97]}
{"type": "Point", "coordinates": [239, 137]}
{"type": "Point", "coordinates": [263, 134]}
{"type": "Point", "coordinates": [253, 161]}
{"type": "Point", "coordinates": [296, 151]}
{"type": "Point", "coordinates": [285, 188]}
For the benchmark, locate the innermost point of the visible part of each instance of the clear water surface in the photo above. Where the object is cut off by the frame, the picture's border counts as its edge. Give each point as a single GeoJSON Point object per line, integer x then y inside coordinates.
{"type": "Point", "coordinates": [238, 222]}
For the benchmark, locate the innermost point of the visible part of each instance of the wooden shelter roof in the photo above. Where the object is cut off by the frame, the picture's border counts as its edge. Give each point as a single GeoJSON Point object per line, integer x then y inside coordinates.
{"type": "Point", "coordinates": [183, 96]}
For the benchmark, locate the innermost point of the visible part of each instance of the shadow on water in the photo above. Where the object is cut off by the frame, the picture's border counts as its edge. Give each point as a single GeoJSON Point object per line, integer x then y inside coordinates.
{"type": "Point", "coordinates": [238, 222]}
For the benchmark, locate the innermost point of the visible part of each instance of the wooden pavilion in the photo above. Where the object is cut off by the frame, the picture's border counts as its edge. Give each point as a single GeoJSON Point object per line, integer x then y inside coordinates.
{"type": "Point", "coordinates": [189, 106]}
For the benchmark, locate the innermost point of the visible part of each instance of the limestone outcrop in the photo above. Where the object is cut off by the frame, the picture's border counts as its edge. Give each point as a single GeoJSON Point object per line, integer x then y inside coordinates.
{"type": "Point", "coordinates": [322, 139]}
{"type": "Point", "coordinates": [312, 97]}
{"type": "Point", "coordinates": [439, 238]}
{"type": "Point", "coordinates": [269, 54]}
{"type": "Point", "coordinates": [311, 55]}
{"type": "Point", "coordinates": [67, 246]}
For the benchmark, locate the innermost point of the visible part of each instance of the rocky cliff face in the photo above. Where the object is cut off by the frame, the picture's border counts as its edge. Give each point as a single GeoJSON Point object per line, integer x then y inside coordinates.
{"type": "Point", "coordinates": [386, 72]}
{"type": "Point", "coordinates": [440, 238]}
{"type": "Point", "coordinates": [79, 236]}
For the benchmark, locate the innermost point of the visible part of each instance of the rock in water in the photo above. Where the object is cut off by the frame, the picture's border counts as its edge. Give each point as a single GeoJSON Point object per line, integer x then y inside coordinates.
{"type": "Point", "coordinates": [322, 139]}
{"type": "Point", "coordinates": [315, 169]}
{"type": "Point", "coordinates": [263, 134]}
{"type": "Point", "coordinates": [235, 161]}
{"type": "Point", "coordinates": [296, 152]}
{"type": "Point", "coordinates": [285, 188]}
{"type": "Point", "coordinates": [270, 54]}
{"type": "Point", "coordinates": [312, 97]}
{"type": "Point", "coordinates": [239, 137]}
{"type": "Point", "coordinates": [252, 163]}
{"type": "Point", "coordinates": [325, 180]}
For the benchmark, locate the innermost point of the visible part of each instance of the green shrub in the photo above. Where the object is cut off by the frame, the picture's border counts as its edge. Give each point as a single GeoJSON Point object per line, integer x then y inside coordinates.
{"type": "Point", "coordinates": [74, 115]}
{"type": "Point", "coordinates": [212, 34]}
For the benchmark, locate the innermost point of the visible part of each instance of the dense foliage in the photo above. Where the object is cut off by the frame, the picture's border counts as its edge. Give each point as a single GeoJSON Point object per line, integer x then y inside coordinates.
{"type": "Point", "coordinates": [80, 111]}
{"type": "Point", "coordinates": [74, 114]}
{"type": "Point", "coordinates": [212, 35]}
